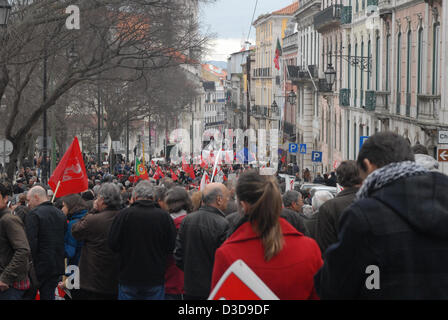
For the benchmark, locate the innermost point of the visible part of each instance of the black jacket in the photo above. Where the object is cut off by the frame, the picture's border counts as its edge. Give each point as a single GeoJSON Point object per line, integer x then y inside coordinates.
{"type": "Point", "coordinates": [45, 228]}
{"type": "Point", "coordinates": [401, 229]}
{"type": "Point", "coordinates": [144, 236]}
{"type": "Point", "coordinates": [328, 217]}
{"type": "Point", "coordinates": [200, 234]}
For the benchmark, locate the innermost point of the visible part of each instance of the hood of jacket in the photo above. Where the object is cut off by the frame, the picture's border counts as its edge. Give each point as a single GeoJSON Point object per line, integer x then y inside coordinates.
{"type": "Point", "coordinates": [427, 162]}
{"type": "Point", "coordinates": [420, 200]}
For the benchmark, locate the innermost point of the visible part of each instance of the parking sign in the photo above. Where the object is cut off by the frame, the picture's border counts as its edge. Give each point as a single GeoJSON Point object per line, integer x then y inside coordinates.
{"type": "Point", "coordinates": [316, 156]}
{"type": "Point", "coordinates": [293, 147]}
{"type": "Point", "coordinates": [303, 149]}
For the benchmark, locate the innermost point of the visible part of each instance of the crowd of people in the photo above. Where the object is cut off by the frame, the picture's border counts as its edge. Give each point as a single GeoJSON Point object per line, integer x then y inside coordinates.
{"type": "Point", "coordinates": [169, 237]}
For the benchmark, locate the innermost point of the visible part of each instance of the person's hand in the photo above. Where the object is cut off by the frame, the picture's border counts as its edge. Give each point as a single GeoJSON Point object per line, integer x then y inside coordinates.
{"type": "Point", "coordinates": [3, 286]}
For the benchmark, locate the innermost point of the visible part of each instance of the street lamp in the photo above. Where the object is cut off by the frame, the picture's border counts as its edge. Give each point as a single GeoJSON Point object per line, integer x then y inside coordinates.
{"type": "Point", "coordinates": [292, 98]}
{"type": "Point", "coordinates": [274, 107]}
{"type": "Point", "coordinates": [5, 10]}
{"type": "Point", "coordinates": [330, 76]}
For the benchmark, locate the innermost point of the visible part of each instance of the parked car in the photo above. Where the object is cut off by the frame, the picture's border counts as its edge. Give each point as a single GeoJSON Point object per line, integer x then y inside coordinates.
{"type": "Point", "coordinates": [332, 190]}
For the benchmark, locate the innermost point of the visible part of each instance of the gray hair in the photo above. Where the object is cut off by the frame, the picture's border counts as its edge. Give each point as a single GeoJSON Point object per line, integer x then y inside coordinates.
{"type": "Point", "coordinates": [211, 196]}
{"type": "Point", "coordinates": [39, 192]}
{"type": "Point", "coordinates": [144, 190]}
{"type": "Point", "coordinates": [290, 197]}
{"type": "Point", "coordinates": [110, 193]}
{"type": "Point", "coordinates": [178, 199]}
{"type": "Point", "coordinates": [319, 198]}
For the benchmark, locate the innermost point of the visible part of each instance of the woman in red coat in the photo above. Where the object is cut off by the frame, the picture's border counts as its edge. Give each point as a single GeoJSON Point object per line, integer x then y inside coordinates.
{"type": "Point", "coordinates": [284, 259]}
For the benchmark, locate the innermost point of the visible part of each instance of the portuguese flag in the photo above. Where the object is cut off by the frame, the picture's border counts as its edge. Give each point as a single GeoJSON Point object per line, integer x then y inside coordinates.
{"type": "Point", "coordinates": [140, 170]}
{"type": "Point", "coordinates": [278, 53]}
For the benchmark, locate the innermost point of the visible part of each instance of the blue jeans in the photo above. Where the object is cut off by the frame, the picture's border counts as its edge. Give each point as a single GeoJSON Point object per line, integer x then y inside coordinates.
{"type": "Point", "coordinates": [11, 294]}
{"type": "Point", "coordinates": [141, 292]}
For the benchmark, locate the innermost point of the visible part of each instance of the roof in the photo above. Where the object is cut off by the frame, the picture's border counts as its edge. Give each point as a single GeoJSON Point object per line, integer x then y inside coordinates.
{"type": "Point", "coordinates": [289, 10]}
{"type": "Point", "coordinates": [221, 73]}
{"type": "Point", "coordinates": [286, 11]}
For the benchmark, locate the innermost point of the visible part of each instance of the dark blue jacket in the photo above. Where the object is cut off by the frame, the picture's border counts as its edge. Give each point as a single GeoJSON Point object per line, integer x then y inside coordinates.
{"type": "Point", "coordinates": [403, 230]}
{"type": "Point", "coordinates": [71, 245]}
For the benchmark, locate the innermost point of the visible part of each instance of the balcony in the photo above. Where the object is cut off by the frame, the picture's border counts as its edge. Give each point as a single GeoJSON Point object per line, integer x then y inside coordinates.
{"type": "Point", "coordinates": [428, 107]}
{"type": "Point", "coordinates": [328, 18]}
{"type": "Point", "coordinates": [382, 101]}
{"type": "Point", "coordinates": [346, 15]}
{"type": "Point", "coordinates": [290, 42]}
{"type": "Point", "coordinates": [300, 73]}
{"type": "Point", "coordinates": [262, 73]}
{"type": "Point", "coordinates": [344, 97]}
{"type": "Point", "coordinates": [370, 103]}
{"type": "Point", "coordinates": [385, 7]}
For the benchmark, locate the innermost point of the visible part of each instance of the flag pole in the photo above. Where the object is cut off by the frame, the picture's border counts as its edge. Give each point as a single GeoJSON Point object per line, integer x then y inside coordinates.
{"type": "Point", "coordinates": [56, 191]}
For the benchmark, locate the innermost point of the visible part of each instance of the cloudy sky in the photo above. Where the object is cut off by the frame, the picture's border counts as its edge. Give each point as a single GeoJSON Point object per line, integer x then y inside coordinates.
{"type": "Point", "coordinates": [229, 21]}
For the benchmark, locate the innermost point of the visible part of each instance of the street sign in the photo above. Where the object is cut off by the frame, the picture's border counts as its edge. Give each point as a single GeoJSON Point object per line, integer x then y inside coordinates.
{"type": "Point", "coordinates": [303, 149]}
{"type": "Point", "coordinates": [316, 156]}
{"type": "Point", "coordinates": [443, 155]}
{"type": "Point", "coordinates": [443, 137]}
{"type": "Point", "coordinates": [361, 141]}
{"type": "Point", "coordinates": [6, 147]}
{"type": "Point", "coordinates": [293, 147]}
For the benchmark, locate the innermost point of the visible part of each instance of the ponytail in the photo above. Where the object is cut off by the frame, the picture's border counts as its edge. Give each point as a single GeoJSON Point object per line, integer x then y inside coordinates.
{"type": "Point", "coordinates": [263, 194]}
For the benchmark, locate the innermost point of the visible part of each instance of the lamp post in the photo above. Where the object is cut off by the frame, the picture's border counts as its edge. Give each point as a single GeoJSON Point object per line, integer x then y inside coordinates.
{"type": "Point", "coordinates": [330, 76]}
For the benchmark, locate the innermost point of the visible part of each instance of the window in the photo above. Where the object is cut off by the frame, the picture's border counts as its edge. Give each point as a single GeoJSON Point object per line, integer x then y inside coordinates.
{"type": "Point", "coordinates": [435, 59]}
{"type": "Point", "coordinates": [356, 78]}
{"type": "Point", "coordinates": [408, 67]}
{"type": "Point", "coordinates": [387, 62]}
{"type": "Point", "coordinates": [354, 140]}
{"type": "Point", "coordinates": [369, 55]}
{"type": "Point", "coordinates": [349, 73]}
{"type": "Point", "coordinates": [361, 101]}
{"type": "Point", "coordinates": [348, 139]}
{"type": "Point", "coordinates": [420, 61]}
{"type": "Point", "coordinates": [398, 73]}
{"type": "Point", "coordinates": [377, 63]}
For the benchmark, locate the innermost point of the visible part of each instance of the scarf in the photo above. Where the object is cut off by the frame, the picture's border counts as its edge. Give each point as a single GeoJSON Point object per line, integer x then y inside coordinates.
{"type": "Point", "coordinates": [387, 174]}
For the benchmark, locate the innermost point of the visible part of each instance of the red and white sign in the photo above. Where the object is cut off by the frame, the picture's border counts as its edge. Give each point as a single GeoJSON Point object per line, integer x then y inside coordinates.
{"type": "Point", "coordinates": [443, 155]}
{"type": "Point", "coordinates": [239, 282]}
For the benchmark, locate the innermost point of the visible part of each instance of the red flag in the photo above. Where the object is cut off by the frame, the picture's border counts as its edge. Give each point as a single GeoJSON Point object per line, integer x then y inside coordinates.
{"type": "Point", "coordinates": [173, 175]}
{"type": "Point", "coordinates": [203, 164]}
{"type": "Point", "coordinates": [283, 159]}
{"type": "Point", "coordinates": [204, 181]}
{"type": "Point", "coordinates": [71, 173]}
{"type": "Point", "coordinates": [191, 172]}
{"type": "Point", "coordinates": [159, 174]}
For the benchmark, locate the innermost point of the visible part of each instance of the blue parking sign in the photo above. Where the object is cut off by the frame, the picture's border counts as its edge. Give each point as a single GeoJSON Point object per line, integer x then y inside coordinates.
{"type": "Point", "coordinates": [316, 156]}
{"type": "Point", "coordinates": [362, 140]}
{"type": "Point", "coordinates": [293, 147]}
{"type": "Point", "coordinates": [303, 149]}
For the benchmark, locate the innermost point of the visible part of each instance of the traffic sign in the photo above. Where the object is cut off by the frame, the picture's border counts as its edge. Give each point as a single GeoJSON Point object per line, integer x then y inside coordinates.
{"type": "Point", "coordinates": [316, 156]}
{"type": "Point", "coordinates": [443, 155]}
{"type": "Point", "coordinates": [443, 137]}
{"type": "Point", "coordinates": [6, 147]}
{"type": "Point", "coordinates": [361, 141]}
{"type": "Point", "coordinates": [303, 148]}
{"type": "Point", "coordinates": [293, 147]}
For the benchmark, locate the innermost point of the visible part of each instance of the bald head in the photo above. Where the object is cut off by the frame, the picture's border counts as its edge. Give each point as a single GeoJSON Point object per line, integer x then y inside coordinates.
{"type": "Point", "coordinates": [216, 195]}
{"type": "Point", "coordinates": [36, 196]}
